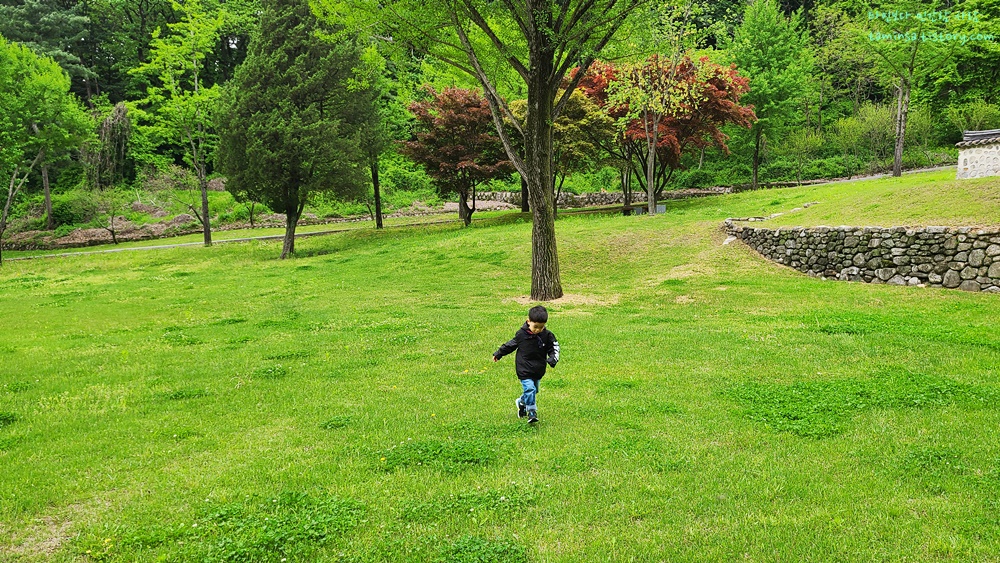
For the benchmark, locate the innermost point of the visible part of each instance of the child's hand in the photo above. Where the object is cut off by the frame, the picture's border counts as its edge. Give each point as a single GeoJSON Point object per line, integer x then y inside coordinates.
{"type": "Point", "coordinates": [496, 359]}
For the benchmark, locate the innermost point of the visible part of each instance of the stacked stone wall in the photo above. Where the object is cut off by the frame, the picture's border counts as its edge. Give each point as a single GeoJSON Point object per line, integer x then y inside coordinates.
{"type": "Point", "coordinates": [965, 258]}
{"type": "Point", "coordinates": [601, 198]}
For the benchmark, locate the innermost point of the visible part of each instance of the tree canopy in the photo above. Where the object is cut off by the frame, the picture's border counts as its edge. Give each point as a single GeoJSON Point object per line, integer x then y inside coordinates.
{"type": "Point", "coordinates": [289, 125]}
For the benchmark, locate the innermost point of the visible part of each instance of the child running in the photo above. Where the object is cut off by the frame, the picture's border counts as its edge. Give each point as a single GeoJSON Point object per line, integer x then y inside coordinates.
{"type": "Point", "coordinates": [535, 346]}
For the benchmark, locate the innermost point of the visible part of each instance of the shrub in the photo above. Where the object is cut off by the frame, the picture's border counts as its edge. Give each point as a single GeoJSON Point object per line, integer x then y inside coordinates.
{"type": "Point", "coordinates": [74, 208]}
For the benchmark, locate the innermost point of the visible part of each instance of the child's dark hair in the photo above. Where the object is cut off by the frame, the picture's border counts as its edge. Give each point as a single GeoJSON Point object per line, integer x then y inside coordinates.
{"type": "Point", "coordinates": [538, 314]}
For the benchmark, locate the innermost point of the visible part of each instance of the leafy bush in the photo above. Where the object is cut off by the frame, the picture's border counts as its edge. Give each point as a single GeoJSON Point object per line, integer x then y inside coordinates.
{"type": "Point", "coordinates": [75, 207]}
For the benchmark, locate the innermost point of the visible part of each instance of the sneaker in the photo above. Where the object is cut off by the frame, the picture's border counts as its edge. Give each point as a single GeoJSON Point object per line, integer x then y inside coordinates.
{"type": "Point", "coordinates": [532, 418]}
{"type": "Point", "coordinates": [521, 411]}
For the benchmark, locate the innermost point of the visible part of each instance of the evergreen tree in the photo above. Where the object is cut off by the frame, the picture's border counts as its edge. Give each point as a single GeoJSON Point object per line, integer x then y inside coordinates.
{"type": "Point", "coordinates": [289, 126]}
{"type": "Point", "coordinates": [49, 28]}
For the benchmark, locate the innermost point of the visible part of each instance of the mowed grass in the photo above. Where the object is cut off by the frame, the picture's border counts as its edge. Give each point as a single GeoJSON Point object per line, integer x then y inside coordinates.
{"type": "Point", "coordinates": [221, 405]}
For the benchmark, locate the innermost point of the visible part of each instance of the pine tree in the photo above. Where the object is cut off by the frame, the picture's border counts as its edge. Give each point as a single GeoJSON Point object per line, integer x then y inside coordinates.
{"type": "Point", "coordinates": [289, 126]}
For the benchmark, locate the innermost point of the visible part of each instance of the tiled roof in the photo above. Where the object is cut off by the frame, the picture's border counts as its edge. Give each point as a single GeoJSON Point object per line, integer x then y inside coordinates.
{"type": "Point", "coordinates": [978, 142]}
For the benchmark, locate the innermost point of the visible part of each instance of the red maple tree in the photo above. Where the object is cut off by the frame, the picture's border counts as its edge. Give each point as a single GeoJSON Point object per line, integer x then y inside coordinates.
{"type": "Point", "coordinates": [710, 99]}
{"type": "Point", "coordinates": [457, 144]}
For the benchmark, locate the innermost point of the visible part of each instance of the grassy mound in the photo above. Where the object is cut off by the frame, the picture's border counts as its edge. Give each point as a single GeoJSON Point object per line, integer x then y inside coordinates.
{"type": "Point", "coordinates": [218, 404]}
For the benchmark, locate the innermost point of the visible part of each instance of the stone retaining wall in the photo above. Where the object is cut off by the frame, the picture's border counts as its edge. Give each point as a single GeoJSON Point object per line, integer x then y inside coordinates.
{"type": "Point", "coordinates": [601, 198]}
{"type": "Point", "coordinates": [966, 258]}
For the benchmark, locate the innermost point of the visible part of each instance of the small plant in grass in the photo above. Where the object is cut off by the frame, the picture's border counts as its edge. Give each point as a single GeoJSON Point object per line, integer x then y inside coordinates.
{"type": "Point", "coordinates": [450, 455]}
{"type": "Point", "coordinates": [293, 524]}
{"type": "Point", "coordinates": [7, 418]}
{"type": "Point", "coordinates": [185, 393]}
{"type": "Point", "coordinates": [335, 422]}
{"type": "Point", "coordinates": [276, 371]}
{"type": "Point", "coordinates": [178, 338]}
{"type": "Point", "coordinates": [474, 549]}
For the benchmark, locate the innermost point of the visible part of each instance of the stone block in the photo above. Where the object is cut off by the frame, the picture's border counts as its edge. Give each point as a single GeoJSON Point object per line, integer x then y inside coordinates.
{"type": "Point", "coordinates": [970, 285]}
{"type": "Point", "coordinates": [934, 278]}
{"type": "Point", "coordinates": [885, 274]}
{"type": "Point", "coordinates": [994, 271]}
{"type": "Point", "coordinates": [993, 250]}
{"type": "Point", "coordinates": [951, 279]}
{"type": "Point", "coordinates": [896, 280]}
{"type": "Point", "coordinates": [969, 273]}
{"type": "Point", "coordinates": [976, 258]}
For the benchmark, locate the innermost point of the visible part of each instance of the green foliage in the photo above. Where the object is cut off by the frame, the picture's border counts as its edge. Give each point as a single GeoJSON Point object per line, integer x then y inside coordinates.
{"type": "Point", "coordinates": [975, 115]}
{"type": "Point", "coordinates": [819, 409]}
{"type": "Point", "coordinates": [289, 126]}
{"type": "Point", "coordinates": [74, 207]}
{"type": "Point", "coordinates": [772, 51]}
{"type": "Point", "coordinates": [180, 104]}
{"type": "Point", "coordinates": [49, 29]}
{"type": "Point", "coordinates": [292, 524]}
{"type": "Point", "coordinates": [474, 549]}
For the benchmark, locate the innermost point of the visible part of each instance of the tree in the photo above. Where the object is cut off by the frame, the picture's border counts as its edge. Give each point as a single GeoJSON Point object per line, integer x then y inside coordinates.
{"type": "Point", "coordinates": [386, 122]}
{"type": "Point", "coordinates": [848, 133]}
{"type": "Point", "coordinates": [771, 50]}
{"type": "Point", "coordinates": [38, 117]}
{"type": "Point", "coordinates": [801, 145]}
{"type": "Point", "coordinates": [975, 115]}
{"type": "Point", "coordinates": [705, 97]}
{"type": "Point", "coordinates": [457, 144]}
{"type": "Point", "coordinates": [181, 104]}
{"type": "Point", "coordinates": [288, 124]}
{"type": "Point", "coordinates": [579, 136]}
{"type": "Point", "coordinates": [907, 49]}
{"type": "Point", "coordinates": [49, 28]}
{"type": "Point", "coordinates": [541, 41]}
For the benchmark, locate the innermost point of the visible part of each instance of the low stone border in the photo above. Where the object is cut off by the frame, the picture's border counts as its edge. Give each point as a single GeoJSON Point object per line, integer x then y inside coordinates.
{"type": "Point", "coordinates": [966, 258]}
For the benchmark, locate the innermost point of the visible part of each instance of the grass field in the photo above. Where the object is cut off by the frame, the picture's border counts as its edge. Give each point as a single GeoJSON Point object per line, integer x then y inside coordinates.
{"type": "Point", "coordinates": [218, 404]}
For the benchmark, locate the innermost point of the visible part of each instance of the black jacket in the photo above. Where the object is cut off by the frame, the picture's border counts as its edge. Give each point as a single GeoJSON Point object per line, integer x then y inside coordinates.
{"type": "Point", "coordinates": [533, 352]}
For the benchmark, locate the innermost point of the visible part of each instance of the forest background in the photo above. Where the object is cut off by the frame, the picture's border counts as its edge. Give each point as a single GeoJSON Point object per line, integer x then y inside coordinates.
{"type": "Point", "coordinates": [828, 97]}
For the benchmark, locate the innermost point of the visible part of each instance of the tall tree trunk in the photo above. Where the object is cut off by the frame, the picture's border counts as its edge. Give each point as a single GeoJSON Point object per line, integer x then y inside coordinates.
{"type": "Point", "coordinates": [545, 281]}
{"type": "Point", "coordinates": [206, 220]}
{"type": "Point", "coordinates": [525, 207]}
{"type": "Point", "coordinates": [756, 158]}
{"type": "Point", "coordinates": [651, 171]}
{"type": "Point", "coordinates": [49, 222]}
{"type": "Point", "coordinates": [464, 211]}
{"type": "Point", "coordinates": [291, 221]}
{"type": "Point", "coordinates": [902, 108]}
{"type": "Point", "coordinates": [252, 204]}
{"type": "Point", "coordinates": [378, 194]}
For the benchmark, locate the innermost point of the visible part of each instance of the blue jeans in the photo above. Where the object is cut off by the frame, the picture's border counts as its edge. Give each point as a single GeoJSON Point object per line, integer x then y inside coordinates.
{"type": "Point", "coordinates": [530, 387]}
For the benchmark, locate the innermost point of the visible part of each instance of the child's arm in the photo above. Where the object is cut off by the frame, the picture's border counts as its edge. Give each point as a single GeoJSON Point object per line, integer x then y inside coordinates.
{"type": "Point", "coordinates": [506, 348]}
{"type": "Point", "coordinates": [553, 357]}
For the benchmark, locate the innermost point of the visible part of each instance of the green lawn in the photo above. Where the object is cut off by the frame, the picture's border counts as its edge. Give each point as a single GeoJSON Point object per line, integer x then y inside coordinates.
{"type": "Point", "coordinates": [218, 404]}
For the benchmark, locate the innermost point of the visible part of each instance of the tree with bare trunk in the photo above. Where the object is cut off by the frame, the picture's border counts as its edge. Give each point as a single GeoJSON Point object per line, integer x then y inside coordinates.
{"type": "Point", "coordinates": [909, 49]}
{"type": "Point", "coordinates": [534, 43]}
{"type": "Point", "coordinates": [289, 126]}
{"type": "Point", "coordinates": [181, 105]}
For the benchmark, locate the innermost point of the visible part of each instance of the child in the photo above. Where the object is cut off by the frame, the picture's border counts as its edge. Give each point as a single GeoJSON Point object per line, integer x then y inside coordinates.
{"type": "Point", "coordinates": [535, 347]}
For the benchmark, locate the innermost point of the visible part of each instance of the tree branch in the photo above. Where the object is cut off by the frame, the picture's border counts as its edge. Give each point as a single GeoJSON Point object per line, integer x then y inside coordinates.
{"type": "Point", "coordinates": [480, 22]}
